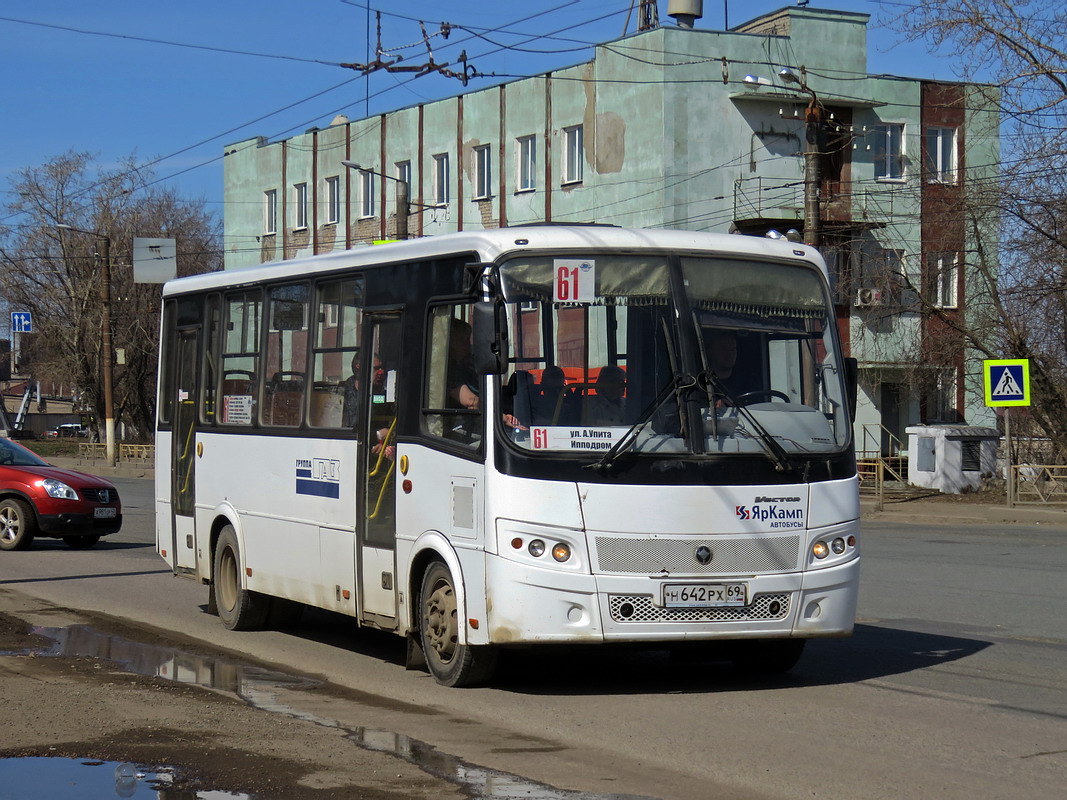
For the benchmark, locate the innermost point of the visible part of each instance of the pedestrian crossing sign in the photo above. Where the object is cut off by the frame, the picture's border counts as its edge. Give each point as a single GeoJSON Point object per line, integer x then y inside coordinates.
{"type": "Point", "coordinates": [1007, 382]}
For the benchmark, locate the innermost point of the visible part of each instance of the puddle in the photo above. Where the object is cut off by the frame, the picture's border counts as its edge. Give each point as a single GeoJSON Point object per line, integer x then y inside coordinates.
{"type": "Point", "coordinates": [77, 779]}
{"type": "Point", "coordinates": [259, 687]}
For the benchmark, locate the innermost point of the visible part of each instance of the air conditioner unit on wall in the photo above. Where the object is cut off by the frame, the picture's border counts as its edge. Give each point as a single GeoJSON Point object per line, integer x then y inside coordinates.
{"type": "Point", "coordinates": [869, 297]}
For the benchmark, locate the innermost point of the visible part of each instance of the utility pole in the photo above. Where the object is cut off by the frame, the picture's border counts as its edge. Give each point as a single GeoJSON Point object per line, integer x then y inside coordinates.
{"type": "Point", "coordinates": [813, 121]}
{"type": "Point", "coordinates": [104, 254]}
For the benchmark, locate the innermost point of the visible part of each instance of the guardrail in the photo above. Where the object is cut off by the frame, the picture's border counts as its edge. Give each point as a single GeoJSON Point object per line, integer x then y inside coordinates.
{"type": "Point", "coordinates": [144, 453]}
{"type": "Point", "coordinates": [1038, 484]}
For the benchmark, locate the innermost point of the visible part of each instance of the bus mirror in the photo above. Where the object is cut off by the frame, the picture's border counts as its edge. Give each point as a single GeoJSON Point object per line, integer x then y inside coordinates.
{"type": "Point", "coordinates": [852, 372]}
{"type": "Point", "coordinates": [489, 347]}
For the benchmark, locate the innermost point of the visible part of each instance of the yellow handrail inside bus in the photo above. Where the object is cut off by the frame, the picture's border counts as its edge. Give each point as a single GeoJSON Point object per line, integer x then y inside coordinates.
{"type": "Point", "coordinates": [381, 451]}
{"type": "Point", "coordinates": [381, 492]}
{"type": "Point", "coordinates": [187, 453]}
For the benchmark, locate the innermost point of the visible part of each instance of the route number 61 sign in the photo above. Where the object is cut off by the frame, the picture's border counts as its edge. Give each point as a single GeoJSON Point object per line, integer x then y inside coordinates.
{"type": "Point", "coordinates": [575, 280]}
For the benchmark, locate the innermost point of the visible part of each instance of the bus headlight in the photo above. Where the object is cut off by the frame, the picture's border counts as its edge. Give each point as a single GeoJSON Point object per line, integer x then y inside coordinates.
{"type": "Point", "coordinates": [820, 550]}
{"type": "Point", "coordinates": [838, 545]}
{"type": "Point", "coordinates": [561, 552]}
{"type": "Point", "coordinates": [536, 548]}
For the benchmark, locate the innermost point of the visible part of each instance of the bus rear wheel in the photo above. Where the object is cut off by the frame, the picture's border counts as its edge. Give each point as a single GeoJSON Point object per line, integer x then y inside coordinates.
{"type": "Point", "coordinates": [239, 609]}
{"type": "Point", "coordinates": [450, 663]}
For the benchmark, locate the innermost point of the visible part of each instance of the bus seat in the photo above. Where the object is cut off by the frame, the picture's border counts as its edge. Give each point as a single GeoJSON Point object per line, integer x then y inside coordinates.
{"type": "Point", "coordinates": [327, 406]}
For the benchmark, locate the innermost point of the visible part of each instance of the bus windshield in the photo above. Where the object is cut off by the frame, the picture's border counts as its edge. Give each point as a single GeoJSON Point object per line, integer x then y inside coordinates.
{"type": "Point", "coordinates": [739, 357]}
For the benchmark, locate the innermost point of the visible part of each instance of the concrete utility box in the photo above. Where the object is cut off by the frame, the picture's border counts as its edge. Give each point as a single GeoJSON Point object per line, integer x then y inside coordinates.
{"type": "Point", "coordinates": [951, 458]}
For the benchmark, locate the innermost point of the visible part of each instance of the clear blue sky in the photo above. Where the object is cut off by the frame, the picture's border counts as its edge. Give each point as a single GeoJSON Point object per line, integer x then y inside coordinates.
{"type": "Point", "coordinates": [66, 88]}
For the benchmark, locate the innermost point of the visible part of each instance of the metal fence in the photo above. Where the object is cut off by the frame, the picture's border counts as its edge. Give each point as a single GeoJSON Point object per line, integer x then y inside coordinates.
{"type": "Point", "coordinates": [135, 453]}
{"type": "Point", "coordinates": [1034, 484]}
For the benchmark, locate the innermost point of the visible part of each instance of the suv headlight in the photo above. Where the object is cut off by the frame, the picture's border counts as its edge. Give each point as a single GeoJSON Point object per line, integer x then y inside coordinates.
{"type": "Point", "coordinates": [58, 489]}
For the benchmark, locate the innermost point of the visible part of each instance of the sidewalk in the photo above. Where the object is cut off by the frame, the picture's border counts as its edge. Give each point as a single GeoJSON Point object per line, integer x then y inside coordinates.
{"type": "Point", "coordinates": [963, 510]}
{"type": "Point", "coordinates": [124, 469]}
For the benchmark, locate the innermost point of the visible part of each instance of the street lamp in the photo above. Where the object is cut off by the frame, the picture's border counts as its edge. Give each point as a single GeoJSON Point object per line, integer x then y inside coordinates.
{"type": "Point", "coordinates": [105, 337]}
{"type": "Point", "coordinates": [403, 204]}
{"type": "Point", "coordinates": [813, 121]}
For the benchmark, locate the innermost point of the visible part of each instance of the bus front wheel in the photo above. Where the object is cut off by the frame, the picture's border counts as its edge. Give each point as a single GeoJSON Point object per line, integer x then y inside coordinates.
{"type": "Point", "coordinates": [451, 663]}
{"type": "Point", "coordinates": [239, 609]}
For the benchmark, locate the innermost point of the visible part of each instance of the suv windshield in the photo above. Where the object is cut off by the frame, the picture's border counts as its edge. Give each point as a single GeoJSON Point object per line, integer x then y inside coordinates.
{"type": "Point", "coordinates": [747, 364]}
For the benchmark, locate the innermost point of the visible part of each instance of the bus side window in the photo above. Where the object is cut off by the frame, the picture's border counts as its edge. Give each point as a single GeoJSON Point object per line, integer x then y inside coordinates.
{"type": "Point", "coordinates": [335, 378]}
{"type": "Point", "coordinates": [453, 389]}
{"type": "Point", "coordinates": [285, 359]}
{"type": "Point", "coordinates": [240, 358]}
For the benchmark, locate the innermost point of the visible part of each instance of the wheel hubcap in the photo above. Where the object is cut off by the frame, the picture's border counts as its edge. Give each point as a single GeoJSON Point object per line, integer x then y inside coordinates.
{"type": "Point", "coordinates": [441, 620]}
{"type": "Point", "coordinates": [9, 525]}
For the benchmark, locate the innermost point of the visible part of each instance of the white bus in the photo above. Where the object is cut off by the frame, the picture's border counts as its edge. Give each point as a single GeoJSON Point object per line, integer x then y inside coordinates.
{"type": "Point", "coordinates": [517, 436]}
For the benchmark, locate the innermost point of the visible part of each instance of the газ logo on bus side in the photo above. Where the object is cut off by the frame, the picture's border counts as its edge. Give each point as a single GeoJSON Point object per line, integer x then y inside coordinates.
{"type": "Point", "coordinates": [777, 512]}
{"type": "Point", "coordinates": [319, 477]}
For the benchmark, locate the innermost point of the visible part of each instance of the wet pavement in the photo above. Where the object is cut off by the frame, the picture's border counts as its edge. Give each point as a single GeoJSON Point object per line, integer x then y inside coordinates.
{"type": "Point", "coordinates": [261, 688]}
{"type": "Point", "coordinates": [78, 779]}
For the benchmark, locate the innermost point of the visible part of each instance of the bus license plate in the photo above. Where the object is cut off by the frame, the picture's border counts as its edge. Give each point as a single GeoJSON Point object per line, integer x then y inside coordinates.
{"type": "Point", "coordinates": [104, 512]}
{"type": "Point", "coordinates": [704, 595]}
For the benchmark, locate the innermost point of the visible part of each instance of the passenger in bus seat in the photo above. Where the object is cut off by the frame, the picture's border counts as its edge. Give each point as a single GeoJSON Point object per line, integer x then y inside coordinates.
{"type": "Point", "coordinates": [554, 404]}
{"type": "Point", "coordinates": [608, 406]}
{"type": "Point", "coordinates": [350, 389]}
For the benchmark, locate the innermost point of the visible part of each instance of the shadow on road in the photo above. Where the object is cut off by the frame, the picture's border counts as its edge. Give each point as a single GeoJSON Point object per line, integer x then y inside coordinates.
{"type": "Point", "coordinates": [874, 651]}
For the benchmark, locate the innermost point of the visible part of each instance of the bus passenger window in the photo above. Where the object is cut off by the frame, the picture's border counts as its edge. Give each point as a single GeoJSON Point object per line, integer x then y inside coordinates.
{"type": "Point", "coordinates": [454, 389]}
{"type": "Point", "coordinates": [240, 358]}
{"type": "Point", "coordinates": [335, 355]}
{"type": "Point", "coordinates": [285, 362]}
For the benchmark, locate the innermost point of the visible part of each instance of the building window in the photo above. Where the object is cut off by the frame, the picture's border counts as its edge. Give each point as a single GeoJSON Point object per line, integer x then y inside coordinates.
{"type": "Point", "coordinates": [366, 193]}
{"type": "Point", "coordinates": [527, 163]}
{"type": "Point", "coordinates": [333, 200]}
{"type": "Point", "coordinates": [889, 152]}
{"type": "Point", "coordinates": [270, 212]}
{"type": "Point", "coordinates": [403, 173]}
{"type": "Point", "coordinates": [440, 179]}
{"type": "Point", "coordinates": [942, 270]}
{"type": "Point", "coordinates": [483, 173]}
{"type": "Point", "coordinates": [573, 154]}
{"type": "Point", "coordinates": [941, 155]}
{"type": "Point", "coordinates": [941, 402]}
{"type": "Point", "coordinates": [300, 205]}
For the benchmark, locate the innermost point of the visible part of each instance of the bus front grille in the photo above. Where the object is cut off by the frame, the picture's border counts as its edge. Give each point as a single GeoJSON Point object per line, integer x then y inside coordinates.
{"type": "Point", "coordinates": [639, 608]}
{"type": "Point", "coordinates": [747, 555]}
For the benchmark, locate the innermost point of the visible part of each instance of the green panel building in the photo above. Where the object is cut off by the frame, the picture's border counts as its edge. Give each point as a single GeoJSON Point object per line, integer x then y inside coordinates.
{"type": "Point", "coordinates": [773, 125]}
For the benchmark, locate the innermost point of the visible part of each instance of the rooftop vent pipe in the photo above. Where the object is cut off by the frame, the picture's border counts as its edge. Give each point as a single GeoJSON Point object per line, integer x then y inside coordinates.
{"type": "Point", "coordinates": [685, 12]}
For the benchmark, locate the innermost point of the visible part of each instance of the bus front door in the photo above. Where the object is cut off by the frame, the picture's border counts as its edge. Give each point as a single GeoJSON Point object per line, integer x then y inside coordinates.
{"type": "Point", "coordinates": [378, 474]}
{"type": "Point", "coordinates": [183, 450]}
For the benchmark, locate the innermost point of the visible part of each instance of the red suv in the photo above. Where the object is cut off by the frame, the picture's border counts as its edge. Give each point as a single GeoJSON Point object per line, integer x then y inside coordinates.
{"type": "Point", "coordinates": [37, 499]}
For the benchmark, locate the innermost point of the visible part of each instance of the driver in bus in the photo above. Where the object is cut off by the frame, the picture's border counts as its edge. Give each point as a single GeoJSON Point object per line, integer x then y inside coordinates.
{"type": "Point", "coordinates": [720, 345]}
{"type": "Point", "coordinates": [463, 381]}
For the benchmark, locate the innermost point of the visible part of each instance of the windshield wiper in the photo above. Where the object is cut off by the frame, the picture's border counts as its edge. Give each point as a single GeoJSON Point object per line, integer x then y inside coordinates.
{"type": "Point", "coordinates": [775, 452]}
{"type": "Point", "coordinates": [673, 387]}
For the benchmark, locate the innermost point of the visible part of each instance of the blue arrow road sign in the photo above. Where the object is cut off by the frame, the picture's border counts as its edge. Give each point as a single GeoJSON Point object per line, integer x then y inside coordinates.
{"type": "Point", "coordinates": [21, 322]}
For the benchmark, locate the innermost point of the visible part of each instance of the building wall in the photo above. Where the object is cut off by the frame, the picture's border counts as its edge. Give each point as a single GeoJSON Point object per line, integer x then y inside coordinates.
{"type": "Point", "coordinates": [673, 137]}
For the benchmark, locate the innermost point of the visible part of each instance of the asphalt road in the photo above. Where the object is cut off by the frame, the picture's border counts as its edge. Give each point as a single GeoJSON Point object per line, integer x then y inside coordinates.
{"type": "Point", "coordinates": [954, 685]}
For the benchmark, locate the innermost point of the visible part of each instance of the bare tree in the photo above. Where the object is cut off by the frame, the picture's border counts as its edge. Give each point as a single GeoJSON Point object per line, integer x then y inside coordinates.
{"type": "Point", "coordinates": [1017, 262]}
{"type": "Point", "coordinates": [56, 274]}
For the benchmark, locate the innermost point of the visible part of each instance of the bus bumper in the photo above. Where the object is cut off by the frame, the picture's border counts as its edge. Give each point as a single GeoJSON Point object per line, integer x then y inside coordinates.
{"type": "Point", "coordinates": [528, 605]}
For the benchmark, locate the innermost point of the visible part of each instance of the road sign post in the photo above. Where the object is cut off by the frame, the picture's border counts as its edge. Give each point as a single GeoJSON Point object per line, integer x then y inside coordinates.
{"type": "Point", "coordinates": [1007, 384]}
